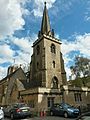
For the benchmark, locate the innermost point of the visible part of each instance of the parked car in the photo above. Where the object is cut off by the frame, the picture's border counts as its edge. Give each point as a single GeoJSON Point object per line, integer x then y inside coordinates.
{"type": "Point", "coordinates": [84, 116]}
{"type": "Point", "coordinates": [65, 110]}
{"type": "Point", "coordinates": [17, 110]}
{"type": "Point", "coordinates": [1, 114]}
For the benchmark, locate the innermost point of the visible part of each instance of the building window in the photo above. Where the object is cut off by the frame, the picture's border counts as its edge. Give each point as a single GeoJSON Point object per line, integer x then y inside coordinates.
{"type": "Point", "coordinates": [54, 84]}
{"type": "Point", "coordinates": [77, 97]}
{"type": "Point", "coordinates": [53, 48]}
{"type": "Point", "coordinates": [53, 64]}
{"type": "Point", "coordinates": [50, 101]}
{"type": "Point", "coordinates": [38, 50]}
{"type": "Point", "coordinates": [37, 65]}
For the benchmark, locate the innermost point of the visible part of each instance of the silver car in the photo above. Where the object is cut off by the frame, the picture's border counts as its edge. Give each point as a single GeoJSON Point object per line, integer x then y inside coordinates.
{"type": "Point", "coordinates": [1, 114]}
{"type": "Point", "coordinates": [17, 110]}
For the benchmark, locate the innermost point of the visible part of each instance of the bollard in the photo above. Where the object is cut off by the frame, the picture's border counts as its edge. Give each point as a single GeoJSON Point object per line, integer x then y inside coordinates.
{"type": "Point", "coordinates": [41, 114]}
{"type": "Point", "coordinates": [44, 113]}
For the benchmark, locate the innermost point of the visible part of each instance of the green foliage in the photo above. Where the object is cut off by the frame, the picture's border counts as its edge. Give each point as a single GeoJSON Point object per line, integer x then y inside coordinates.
{"type": "Point", "coordinates": [77, 83]}
{"type": "Point", "coordinates": [80, 82]}
{"type": "Point", "coordinates": [82, 66]}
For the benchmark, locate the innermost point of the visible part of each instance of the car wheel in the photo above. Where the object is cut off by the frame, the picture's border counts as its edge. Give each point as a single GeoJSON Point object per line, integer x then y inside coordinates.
{"type": "Point", "coordinates": [12, 116]}
{"type": "Point", "coordinates": [51, 113]}
{"type": "Point", "coordinates": [65, 114]}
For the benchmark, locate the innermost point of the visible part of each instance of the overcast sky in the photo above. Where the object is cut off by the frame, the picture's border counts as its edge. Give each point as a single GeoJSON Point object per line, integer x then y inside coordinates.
{"type": "Point", "coordinates": [20, 21]}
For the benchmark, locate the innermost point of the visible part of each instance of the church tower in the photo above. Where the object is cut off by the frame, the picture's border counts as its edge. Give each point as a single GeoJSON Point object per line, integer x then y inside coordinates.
{"type": "Point", "coordinates": [47, 65]}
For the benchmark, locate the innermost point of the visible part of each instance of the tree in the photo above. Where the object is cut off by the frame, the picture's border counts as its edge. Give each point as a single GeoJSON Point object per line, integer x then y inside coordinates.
{"type": "Point", "coordinates": [81, 67]}
{"type": "Point", "coordinates": [79, 82]}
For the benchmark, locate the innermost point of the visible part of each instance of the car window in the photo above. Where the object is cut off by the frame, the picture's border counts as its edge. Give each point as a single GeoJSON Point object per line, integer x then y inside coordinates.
{"type": "Point", "coordinates": [67, 105]}
{"type": "Point", "coordinates": [22, 105]}
{"type": "Point", "coordinates": [19, 105]}
{"type": "Point", "coordinates": [15, 106]}
{"type": "Point", "coordinates": [56, 105]}
{"type": "Point", "coordinates": [60, 107]}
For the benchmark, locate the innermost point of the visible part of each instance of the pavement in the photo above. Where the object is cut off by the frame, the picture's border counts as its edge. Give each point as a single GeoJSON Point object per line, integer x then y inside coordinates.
{"type": "Point", "coordinates": [45, 118]}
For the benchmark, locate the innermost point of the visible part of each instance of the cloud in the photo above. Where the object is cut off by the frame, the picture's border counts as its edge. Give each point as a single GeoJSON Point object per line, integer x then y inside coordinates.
{"type": "Point", "coordinates": [63, 7]}
{"type": "Point", "coordinates": [3, 72]}
{"type": "Point", "coordinates": [25, 49]}
{"type": "Point", "coordinates": [87, 12]}
{"type": "Point", "coordinates": [83, 44]}
{"type": "Point", "coordinates": [6, 51]}
{"type": "Point", "coordinates": [16, 48]}
{"type": "Point", "coordinates": [22, 58]}
{"type": "Point", "coordinates": [38, 6]}
{"type": "Point", "coordinates": [23, 43]}
{"type": "Point", "coordinates": [11, 20]}
{"type": "Point", "coordinates": [80, 44]}
{"type": "Point", "coordinates": [10, 17]}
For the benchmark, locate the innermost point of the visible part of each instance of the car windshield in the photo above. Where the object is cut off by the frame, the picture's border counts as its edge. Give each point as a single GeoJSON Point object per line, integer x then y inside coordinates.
{"type": "Point", "coordinates": [67, 105]}
{"type": "Point", "coordinates": [20, 105]}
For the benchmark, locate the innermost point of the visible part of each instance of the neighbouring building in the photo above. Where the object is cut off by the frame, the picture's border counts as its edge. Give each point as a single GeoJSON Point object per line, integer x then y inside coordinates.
{"type": "Point", "coordinates": [12, 84]}
{"type": "Point", "coordinates": [77, 96]}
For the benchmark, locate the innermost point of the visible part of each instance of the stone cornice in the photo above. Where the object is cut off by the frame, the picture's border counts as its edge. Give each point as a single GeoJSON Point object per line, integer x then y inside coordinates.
{"type": "Point", "coordinates": [47, 37]}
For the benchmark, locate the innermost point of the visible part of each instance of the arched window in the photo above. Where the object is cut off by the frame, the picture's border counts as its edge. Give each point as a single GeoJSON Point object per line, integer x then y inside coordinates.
{"type": "Point", "coordinates": [38, 49]}
{"type": "Point", "coordinates": [54, 83]}
{"type": "Point", "coordinates": [53, 48]}
{"type": "Point", "coordinates": [53, 64]}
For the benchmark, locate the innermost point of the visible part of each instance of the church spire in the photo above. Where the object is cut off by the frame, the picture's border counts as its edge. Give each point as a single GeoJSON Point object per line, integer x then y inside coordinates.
{"type": "Point", "coordinates": [45, 26]}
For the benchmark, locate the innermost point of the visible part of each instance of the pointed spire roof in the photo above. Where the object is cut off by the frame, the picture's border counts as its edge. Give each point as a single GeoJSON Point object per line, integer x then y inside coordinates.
{"type": "Point", "coordinates": [45, 26]}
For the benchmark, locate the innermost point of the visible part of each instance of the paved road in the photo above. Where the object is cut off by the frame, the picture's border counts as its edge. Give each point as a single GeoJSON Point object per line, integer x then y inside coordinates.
{"type": "Point", "coordinates": [45, 118]}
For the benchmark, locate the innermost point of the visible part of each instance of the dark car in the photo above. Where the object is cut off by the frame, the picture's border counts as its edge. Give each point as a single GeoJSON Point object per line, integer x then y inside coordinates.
{"type": "Point", "coordinates": [17, 110]}
{"type": "Point", "coordinates": [84, 116]}
{"type": "Point", "coordinates": [65, 110]}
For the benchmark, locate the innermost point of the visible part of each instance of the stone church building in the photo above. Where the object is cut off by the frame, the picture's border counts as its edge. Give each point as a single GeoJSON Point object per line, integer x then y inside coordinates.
{"type": "Point", "coordinates": [47, 83]}
{"type": "Point", "coordinates": [47, 71]}
{"type": "Point", "coordinates": [47, 74]}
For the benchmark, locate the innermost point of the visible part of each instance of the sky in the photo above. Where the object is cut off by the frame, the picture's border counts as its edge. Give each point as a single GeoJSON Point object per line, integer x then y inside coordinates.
{"type": "Point", "coordinates": [20, 21]}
